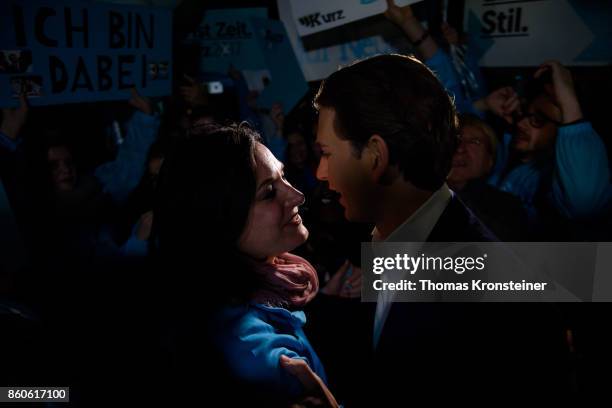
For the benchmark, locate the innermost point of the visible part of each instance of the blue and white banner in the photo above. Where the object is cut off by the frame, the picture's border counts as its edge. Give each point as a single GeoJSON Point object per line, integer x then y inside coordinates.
{"type": "Point", "coordinates": [527, 33]}
{"type": "Point", "coordinates": [80, 52]}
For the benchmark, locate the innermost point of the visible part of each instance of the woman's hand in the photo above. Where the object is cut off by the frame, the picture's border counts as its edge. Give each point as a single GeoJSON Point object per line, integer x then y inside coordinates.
{"type": "Point", "coordinates": [563, 86]}
{"type": "Point", "coordinates": [318, 395]}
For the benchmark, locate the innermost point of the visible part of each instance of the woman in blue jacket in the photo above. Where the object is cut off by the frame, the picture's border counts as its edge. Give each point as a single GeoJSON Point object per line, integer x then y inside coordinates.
{"type": "Point", "coordinates": [226, 207]}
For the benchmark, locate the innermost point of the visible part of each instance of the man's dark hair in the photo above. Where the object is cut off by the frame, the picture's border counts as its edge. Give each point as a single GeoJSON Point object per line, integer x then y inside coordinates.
{"type": "Point", "coordinates": [400, 99]}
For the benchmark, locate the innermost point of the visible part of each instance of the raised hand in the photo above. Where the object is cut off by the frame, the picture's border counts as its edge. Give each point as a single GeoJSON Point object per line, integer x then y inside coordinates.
{"type": "Point", "coordinates": [398, 15]}
{"type": "Point", "coordinates": [502, 102]}
{"type": "Point", "coordinates": [450, 34]}
{"type": "Point", "coordinates": [277, 116]}
{"type": "Point", "coordinates": [563, 86]}
{"type": "Point", "coordinates": [140, 102]}
{"type": "Point", "coordinates": [192, 93]}
{"type": "Point", "coordinates": [13, 119]}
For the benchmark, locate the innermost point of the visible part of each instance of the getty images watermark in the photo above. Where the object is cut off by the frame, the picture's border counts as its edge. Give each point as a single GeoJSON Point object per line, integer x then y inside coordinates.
{"type": "Point", "coordinates": [487, 271]}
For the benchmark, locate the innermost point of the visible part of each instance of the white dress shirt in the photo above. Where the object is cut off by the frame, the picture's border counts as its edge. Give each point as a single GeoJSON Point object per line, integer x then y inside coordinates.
{"type": "Point", "coordinates": [415, 229]}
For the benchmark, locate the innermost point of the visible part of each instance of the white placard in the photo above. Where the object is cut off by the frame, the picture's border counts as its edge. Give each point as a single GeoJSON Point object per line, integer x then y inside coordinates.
{"type": "Point", "coordinates": [320, 63]}
{"type": "Point", "coordinates": [313, 16]}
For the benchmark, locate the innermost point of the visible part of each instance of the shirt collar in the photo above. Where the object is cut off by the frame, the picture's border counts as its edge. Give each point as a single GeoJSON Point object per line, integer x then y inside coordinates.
{"type": "Point", "coordinates": [420, 224]}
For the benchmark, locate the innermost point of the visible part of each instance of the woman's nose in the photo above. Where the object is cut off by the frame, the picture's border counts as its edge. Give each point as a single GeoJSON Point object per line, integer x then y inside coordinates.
{"type": "Point", "coordinates": [295, 198]}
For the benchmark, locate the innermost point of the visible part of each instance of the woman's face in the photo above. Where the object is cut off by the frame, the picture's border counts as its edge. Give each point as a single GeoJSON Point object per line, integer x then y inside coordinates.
{"type": "Point", "coordinates": [473, 158]}
{"type": "Point", "coordinates": [274, 225]}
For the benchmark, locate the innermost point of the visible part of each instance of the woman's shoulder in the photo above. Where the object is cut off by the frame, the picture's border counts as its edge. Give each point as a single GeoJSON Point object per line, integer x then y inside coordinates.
{"type": "Point", "coordinates": [247, 318]}
{"type": "Point", "coordinates": [252, 338]}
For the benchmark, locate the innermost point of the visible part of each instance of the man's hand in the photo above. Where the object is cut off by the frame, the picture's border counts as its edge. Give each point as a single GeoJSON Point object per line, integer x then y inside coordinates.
{"type": "Point", "coordinates": [563, 86]}
{"type": "Point", "coordinates": [140, 102]}
{"type": "Point", "coordinates": [398, 15]}
{"type": "Point", "coordinates": [343, 283]}
{"type": "Point", "coordinates": [13, 119]}
{"type": "Point", "coordinates": [318, 395]}
{"type": "Point", "coordinates": [502, 102]}
{"type": "Point", "coordinates": [405, 19]}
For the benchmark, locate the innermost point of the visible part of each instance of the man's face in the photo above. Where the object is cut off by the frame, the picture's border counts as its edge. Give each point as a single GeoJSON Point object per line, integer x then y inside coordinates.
{"type": "Point", "coordinates": [346, 174]}
{"type": "Point", "coordinates": [530, 138]}
{"type": "Point", "coordinates": [63, 170]}
{"type": "Point", "coordinates": [473, 158]}
{"type": "Point", "coordinates": [297, 149]}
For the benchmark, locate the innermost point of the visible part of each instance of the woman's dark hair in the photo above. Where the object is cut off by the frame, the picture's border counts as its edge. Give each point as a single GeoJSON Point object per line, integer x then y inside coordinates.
{"type": "Point", "coordinates": [400, 99]}
{"type": "Point", "coordinates": [206, 187]}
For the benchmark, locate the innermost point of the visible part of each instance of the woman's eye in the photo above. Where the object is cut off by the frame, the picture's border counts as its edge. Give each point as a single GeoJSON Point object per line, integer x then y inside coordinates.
{"type": "Point", "coordinates": [270, 193]}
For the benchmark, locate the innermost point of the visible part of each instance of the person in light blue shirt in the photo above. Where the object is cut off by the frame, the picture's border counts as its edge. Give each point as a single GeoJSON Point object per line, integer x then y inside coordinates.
{"type": "Point", "coordinates": [121, 175]}
{"type": "Point", "coordinates": [554, 161]}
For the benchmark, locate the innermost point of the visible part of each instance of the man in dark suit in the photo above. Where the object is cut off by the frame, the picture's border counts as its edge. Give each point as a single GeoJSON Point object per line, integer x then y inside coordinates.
{"type": "Point", "coordinates": [388, 131]}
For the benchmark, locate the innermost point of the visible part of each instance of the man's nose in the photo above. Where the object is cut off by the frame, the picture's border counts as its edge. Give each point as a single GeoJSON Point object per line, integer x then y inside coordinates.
{"type": "Point", "coordinates": [322, 169]}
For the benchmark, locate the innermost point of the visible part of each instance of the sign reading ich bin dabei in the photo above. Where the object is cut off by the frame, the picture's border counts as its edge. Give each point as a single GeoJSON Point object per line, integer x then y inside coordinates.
{"type": "Point", "coordinates": [73, 52]}
{"type": "Point", "coordinates": [313, 16]}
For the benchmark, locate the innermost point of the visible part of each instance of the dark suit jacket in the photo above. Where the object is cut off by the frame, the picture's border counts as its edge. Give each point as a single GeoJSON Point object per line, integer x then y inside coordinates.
{"type": "Point", "coordinates": [464, 351]}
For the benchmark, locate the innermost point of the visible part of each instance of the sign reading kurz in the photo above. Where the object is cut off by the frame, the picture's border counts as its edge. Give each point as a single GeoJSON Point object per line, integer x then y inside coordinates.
{"type": "Point", "coordinates": [313, 16]}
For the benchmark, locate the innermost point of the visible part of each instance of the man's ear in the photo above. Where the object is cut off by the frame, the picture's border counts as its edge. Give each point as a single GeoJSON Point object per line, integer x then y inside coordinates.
{"type": "Point", "coordinates": [378, 154]}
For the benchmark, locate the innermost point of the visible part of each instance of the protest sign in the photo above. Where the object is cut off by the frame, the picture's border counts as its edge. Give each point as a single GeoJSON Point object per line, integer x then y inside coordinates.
{"type": "Point", "coordinates": [75, 52]}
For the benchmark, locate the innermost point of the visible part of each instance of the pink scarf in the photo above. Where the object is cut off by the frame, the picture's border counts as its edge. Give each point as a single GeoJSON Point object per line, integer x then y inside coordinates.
{"type": "Point", "coordinates": [289, 281]}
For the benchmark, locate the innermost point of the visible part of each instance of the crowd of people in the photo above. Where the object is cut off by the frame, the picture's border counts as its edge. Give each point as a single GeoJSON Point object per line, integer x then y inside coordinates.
{"type": "Point", "coordinates": [207, 229]}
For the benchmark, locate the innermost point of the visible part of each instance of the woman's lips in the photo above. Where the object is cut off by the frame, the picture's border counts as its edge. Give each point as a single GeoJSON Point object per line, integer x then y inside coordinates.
{"type": "Point", "coordinates": [295, 220]}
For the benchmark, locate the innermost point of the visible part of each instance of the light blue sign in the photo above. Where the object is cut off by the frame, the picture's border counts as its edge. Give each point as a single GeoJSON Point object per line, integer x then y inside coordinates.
{"type": "Point", "coordinates": [82, 52]}
{"type": "Point", "coordinates": [286, 83]}
{"type": "Point", "coordinates": [248, 41]}
{"type": "Point", "coordinates": [227, 38]}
